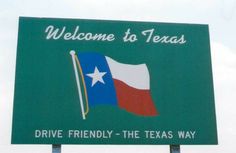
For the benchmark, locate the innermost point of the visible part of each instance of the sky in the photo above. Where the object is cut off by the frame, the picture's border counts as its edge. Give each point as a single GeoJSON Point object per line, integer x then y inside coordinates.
{"type": "Point", "coordinates": [220, 15]}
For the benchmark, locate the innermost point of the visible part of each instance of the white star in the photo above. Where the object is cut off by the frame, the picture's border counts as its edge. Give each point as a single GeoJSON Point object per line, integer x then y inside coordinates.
{"type": "Point", "coordinates": [96, 76]}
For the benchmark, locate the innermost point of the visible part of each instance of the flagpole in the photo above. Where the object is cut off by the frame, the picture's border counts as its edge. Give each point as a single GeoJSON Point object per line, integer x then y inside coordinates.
{"type": "Point", "coordinates": [72, 53]}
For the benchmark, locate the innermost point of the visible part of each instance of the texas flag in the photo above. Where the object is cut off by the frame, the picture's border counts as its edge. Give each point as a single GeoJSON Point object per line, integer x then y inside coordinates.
{"type": "Point", "coordinates": [109, 82]}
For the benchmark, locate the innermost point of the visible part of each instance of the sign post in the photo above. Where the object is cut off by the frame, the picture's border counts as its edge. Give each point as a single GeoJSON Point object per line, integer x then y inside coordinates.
{"type": "Point", "coordinates": [174, 148]}
{"type": "Point", "coordinates": [56, 148]}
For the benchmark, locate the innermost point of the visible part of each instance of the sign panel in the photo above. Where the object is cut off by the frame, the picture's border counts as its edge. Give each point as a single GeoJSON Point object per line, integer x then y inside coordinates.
{"type": "Point", "coordinates": [113, 82]}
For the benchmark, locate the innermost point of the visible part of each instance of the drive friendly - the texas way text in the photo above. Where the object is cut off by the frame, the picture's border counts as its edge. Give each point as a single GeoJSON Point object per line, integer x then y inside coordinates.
{"type": "Point", "coordinates": [107, 134]}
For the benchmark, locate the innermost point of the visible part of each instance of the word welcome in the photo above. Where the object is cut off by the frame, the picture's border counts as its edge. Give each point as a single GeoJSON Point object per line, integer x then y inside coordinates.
{"type": "Point", "coordinates": [149, 35]}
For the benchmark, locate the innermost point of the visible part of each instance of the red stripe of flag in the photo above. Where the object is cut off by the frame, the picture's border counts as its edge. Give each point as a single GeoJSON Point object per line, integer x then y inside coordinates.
{"type": "Point", "coordinates": [134, 100]}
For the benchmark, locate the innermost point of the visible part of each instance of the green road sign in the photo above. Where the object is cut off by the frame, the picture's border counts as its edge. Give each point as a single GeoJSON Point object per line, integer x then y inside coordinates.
{"type": "Point", "coordinates": [113, 82]}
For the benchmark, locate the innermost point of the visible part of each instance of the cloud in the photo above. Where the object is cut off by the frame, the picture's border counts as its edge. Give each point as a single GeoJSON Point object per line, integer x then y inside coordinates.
{"type": "Point", "coordinates": [224, 71]}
